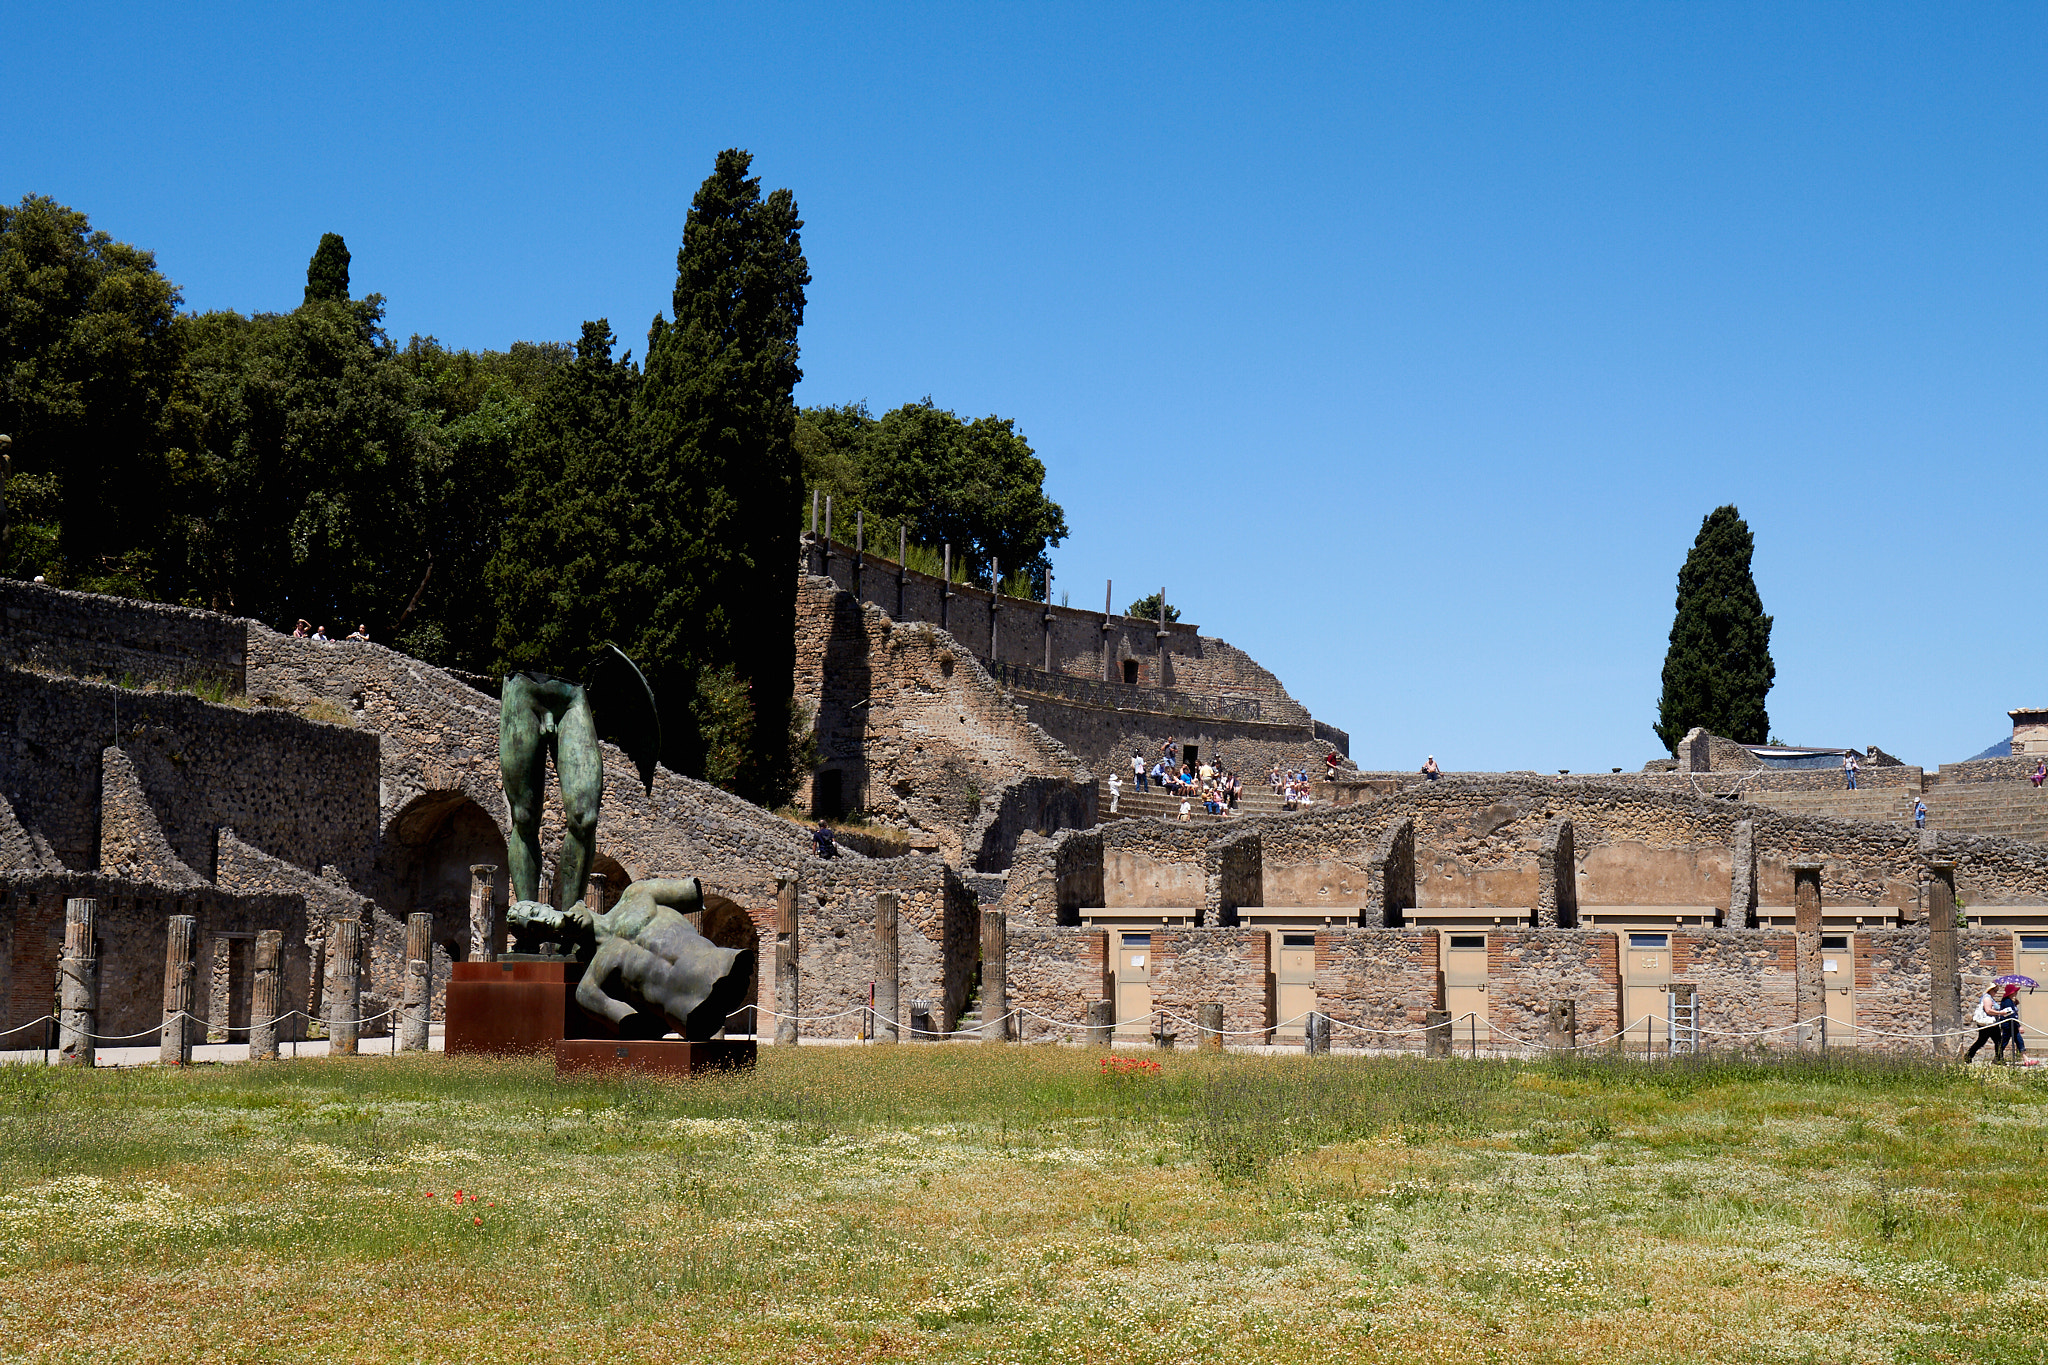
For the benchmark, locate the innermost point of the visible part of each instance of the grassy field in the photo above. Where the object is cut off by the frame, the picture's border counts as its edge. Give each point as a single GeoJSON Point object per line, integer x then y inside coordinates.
{"type": "Point", "coordinates": [969, 1203]}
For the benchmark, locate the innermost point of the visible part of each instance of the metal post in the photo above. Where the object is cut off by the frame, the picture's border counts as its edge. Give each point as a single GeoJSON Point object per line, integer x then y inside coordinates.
{"type": "Point", "coordinates": [1108, 595]}
{"type": "Point", "coordinates": [995, 603]}
{"type": "Point", "coordinates": [265, 993]}
{"type": "Point", "coordinates": [786, 948]}
{"type": "Point", "coordinates": [78, 986]}
{"type": "Point", "coordinates": [946, 586]}
{"type": "Point", "coordinates": [1047, 622]}
{"type": "Point", "coordinates": [887, 969]}
{"type": "Point", "coordinates": [175, 1049]}
{"type": "Point", "coordinates": [419, 983]}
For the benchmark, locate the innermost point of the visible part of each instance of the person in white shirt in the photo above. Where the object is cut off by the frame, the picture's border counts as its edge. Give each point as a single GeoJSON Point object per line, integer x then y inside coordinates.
{"type": "Point", "coordinates": [1116, 788]}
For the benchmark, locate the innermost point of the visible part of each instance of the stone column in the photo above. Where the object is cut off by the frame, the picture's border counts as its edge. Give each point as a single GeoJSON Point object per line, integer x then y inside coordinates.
{"type": "Point", "coordinates": [418, 1006]}
{"type": "Point", "coordinates": [1808, 993]}
{"type": "Point", "coordinates": [78, 986]}
{"type": "Point", "coordinates": [483, 915]}
{"type": "Point", "coordinates": [902, 567]}
{"type": "Point", "coordinates": [860, 546]}
{"type": "Point", "coordinates": [995, 983]}
{"type": "Point", "coordinates": [786, 946]}
{"type": "Point", "coordinates": [887, 1027]}
{"type": "Point", "coordinates": [594, 891]}
{"type": "Point", "coordinates": [1944, 959]}
{"type": "Point", "coordinates": [1318, 1031]}
{"type": "Point", "coordinates": [266, 994]}
{"type": "Point", "coordinates": [1209, 1030]}
{"type": "Point", "coordinates": [1562, 1032]}
{"type": "Point", "coordinates": [344, 986]}
{"type": "Point", "coordinates": [1742, 878]}
{"type": "Point", "coordinates": [1101, 1022]}
{"type": "Point", "coordinates": [175, 1049]}
{"type": "Point", "coordinates": [1436, 1041]}
{"type": "Point", "coordinates": [219, 988]}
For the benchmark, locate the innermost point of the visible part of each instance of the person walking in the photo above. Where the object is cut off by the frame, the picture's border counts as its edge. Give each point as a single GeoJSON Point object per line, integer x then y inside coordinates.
{"type": "Point", "coordinates": [1990, 1017]}
{"type": "Point", "coordinates": [1138, 770]}
{"type": "Point", "coordinates": [1919, 813]}
{"type": "Point", "coordinates": [1849, 770]}
{"type": "Point", "coordinates": [2010, 1027]}
{"type": "Point", "coordinates": [822, 841]}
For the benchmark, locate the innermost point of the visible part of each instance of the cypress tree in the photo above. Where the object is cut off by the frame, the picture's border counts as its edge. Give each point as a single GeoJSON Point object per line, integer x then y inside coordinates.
{"type": "Point", "coordinates": [327, 272]}
{"type": "Point", "coordinates": [567, 575]}
{"type": "Point", "coordinates": [1718, 670]}
{"type": "Point", "coordinates": [712, 427]}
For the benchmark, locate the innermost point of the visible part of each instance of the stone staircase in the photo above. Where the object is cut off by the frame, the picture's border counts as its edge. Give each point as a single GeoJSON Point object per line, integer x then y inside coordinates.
{"type": "Point", "coordinates": [2013, 810]}
{"type": "Point", "coordinates": [1157, 804]}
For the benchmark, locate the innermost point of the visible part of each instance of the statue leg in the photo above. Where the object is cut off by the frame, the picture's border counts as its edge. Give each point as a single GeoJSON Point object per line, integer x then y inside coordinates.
{"type": "Point", "coordinates": [580, 764]}
{"type": "Point", "coordinates": [590, 991]}
{"type": "Point", "coordinates": [523, 763]}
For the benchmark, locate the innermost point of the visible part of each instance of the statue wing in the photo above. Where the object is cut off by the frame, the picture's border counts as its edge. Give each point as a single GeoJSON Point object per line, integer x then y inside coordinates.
{"type": "Point", "coordinates": [624, 708]}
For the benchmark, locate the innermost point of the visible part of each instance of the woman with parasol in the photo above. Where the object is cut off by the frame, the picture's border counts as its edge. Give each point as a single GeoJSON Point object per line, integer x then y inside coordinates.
{"type": "Point", "coordinates": [2011, 1025]}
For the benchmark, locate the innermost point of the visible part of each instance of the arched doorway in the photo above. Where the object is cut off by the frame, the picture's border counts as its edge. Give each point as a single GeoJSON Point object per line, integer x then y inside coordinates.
{"type": "Point", "coordinates": [431, 846]}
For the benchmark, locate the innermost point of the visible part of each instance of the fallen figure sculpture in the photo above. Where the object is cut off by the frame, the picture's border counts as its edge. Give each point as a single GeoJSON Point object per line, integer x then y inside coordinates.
{"type": "Point", "coordinates": [652, 972]}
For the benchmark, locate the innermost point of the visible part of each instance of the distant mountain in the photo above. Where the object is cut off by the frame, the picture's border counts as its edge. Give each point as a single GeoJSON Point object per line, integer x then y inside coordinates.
{"type": "Point", "coordinates": [2002, 749]}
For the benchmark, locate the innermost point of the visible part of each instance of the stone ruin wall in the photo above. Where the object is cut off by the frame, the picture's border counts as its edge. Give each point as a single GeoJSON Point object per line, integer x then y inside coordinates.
{"type": "Point", "coordinates": [1092, 646]}
{"type": "Point", "coordinates": [913, 732]}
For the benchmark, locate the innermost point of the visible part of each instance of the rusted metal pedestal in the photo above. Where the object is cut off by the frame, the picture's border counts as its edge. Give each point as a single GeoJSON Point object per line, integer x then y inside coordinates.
{"type": "Point", "coordinates": [515, 1008]}
{"type": "Point", "coordinates": [597, 1057]}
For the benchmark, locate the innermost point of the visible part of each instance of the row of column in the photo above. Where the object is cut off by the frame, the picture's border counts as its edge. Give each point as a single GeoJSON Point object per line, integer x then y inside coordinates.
{"type": "Point", "coordinates": [78, 983]}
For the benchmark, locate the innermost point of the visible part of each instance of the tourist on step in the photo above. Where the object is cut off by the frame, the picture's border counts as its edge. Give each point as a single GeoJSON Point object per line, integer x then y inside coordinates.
{"type": "Point", "coordinates": [1137, 770]}
{"type": "Point", "coordinates": [1430, 771]}
{"type": "Point", "coordinates": [1919, 813]}
{"type": "Point", "coordinates": [2040, 771]}
{"type": "Point", "coordinates": [1116, 789]}
{"type": "Point", "coordinates": [1849, 771]}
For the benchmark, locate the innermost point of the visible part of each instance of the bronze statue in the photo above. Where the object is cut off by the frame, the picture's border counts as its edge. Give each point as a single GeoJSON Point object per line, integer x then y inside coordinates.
{"type": "Point", "coordinates": [540, 714]}
{"type": "Point", "coordinates": [653, 972]}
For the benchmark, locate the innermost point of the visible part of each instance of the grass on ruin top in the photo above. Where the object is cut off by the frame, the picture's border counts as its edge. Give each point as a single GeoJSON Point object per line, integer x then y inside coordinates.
{"type": "Point", "coordinates": [983, 1203]}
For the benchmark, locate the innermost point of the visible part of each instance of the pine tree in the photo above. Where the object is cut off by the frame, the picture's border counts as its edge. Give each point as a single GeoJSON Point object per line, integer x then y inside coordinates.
{"type": "Point", "coordinates": [712, 428]}
{"type": "Point", "coordinates": [1718, 670]}
{"type": "Point", "coordinates": [327, 272]}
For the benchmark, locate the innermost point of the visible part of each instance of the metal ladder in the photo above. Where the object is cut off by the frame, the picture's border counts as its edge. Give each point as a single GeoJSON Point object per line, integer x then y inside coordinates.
{"type": "Point", "coordinates": [1682, 1017]}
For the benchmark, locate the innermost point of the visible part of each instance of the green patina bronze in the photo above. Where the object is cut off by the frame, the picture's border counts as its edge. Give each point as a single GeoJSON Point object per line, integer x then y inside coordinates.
{"type": "Point", "coordinates": [540, 715]}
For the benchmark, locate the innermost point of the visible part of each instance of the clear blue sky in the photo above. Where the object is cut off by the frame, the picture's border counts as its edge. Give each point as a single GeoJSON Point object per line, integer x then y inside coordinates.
{"type": "Point", "coordinates": [1407, 346]}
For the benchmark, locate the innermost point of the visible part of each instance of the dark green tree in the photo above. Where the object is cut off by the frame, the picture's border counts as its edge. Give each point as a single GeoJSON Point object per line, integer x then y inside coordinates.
{"type": "Point", "coordinates": [713, 423]}
{"type": "Point", "coordinates": [1718, 669]}
{"type": "Point", "coordinates": [304, 478]}
{"type": "Point", "coordinates": [87, 355]}
{"type": "Point", "coordinates": [1147, 609]}
{"type": "Point", "coordinates": [565, 576]}
{"type": "Point", "coordinates": [976, 486]}
{"type": "Point", "coordinates": [327, 272]}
